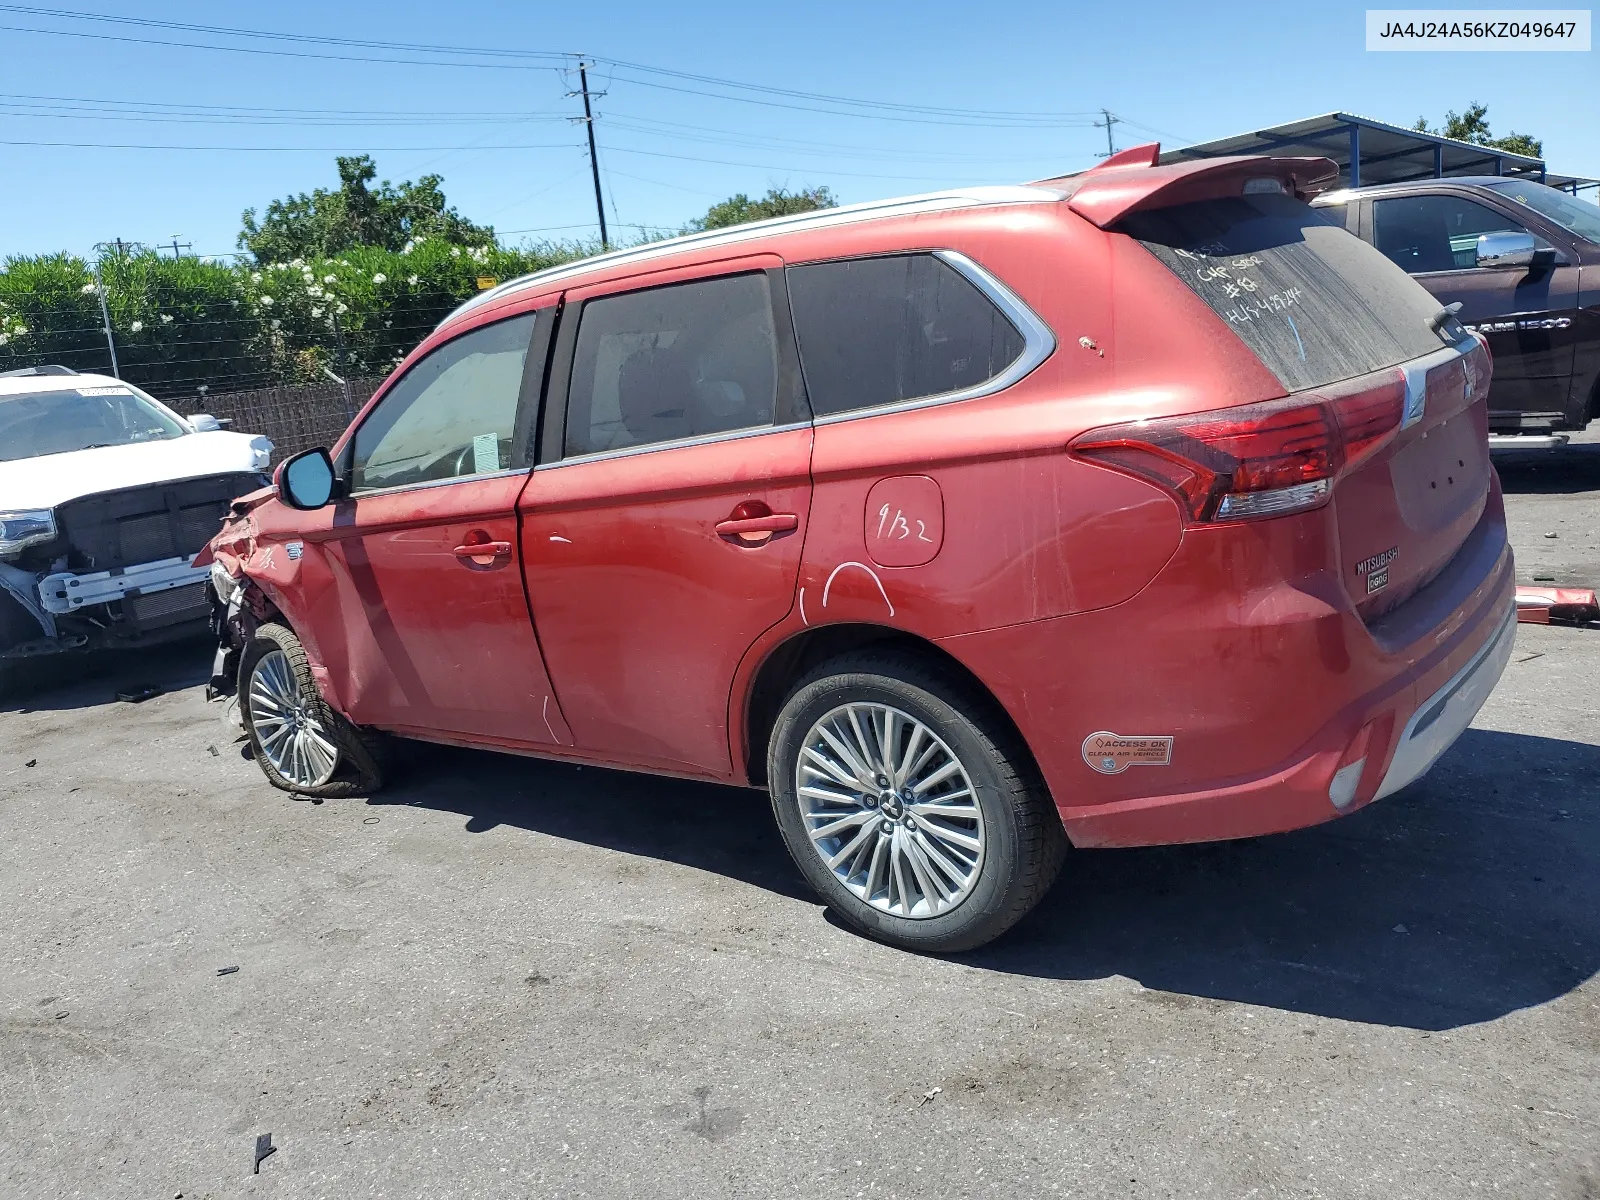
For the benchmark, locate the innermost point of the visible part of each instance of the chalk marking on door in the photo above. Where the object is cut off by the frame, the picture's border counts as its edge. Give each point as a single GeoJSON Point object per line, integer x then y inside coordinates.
{"type": "Point", "coordinates": [803, 620]}
{"type": "Point", "coordinates": [869, 571]}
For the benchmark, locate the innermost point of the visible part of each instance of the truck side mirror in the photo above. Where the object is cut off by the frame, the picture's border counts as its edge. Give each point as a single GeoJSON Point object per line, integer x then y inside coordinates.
{"type": "Point", "coordinates": [306, 480]}
{"type": "Point", "coordinates": [1507, 250]}
{"type": "Point", "coordinates": [206, 423]}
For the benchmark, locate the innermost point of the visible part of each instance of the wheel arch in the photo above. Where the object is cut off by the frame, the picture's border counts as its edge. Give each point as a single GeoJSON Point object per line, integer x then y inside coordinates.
{"type": "Point", "coordinates": [787, 662]}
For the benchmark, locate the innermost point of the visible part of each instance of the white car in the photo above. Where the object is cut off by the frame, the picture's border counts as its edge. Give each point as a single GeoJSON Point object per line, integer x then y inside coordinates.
{"type": "Point", "coordinates": [106, 496]}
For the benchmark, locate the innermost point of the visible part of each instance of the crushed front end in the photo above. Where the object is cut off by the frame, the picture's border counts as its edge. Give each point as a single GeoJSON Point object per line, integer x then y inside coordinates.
{"type": "Point", "coordinates": [112, 569]}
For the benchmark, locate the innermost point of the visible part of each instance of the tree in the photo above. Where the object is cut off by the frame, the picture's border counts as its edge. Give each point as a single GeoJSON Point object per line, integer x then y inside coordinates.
{"type": "Point", "coordinates": [778, 202]}
{"type": "Point", "coordinates": [1473, 126]}
{"type": "Point", "coordinates": [327, 223]}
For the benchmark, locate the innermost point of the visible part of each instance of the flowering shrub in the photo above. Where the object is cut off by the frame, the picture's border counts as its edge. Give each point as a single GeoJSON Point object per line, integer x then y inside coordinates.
{"type": "Point", "coordinates": [180, 324]}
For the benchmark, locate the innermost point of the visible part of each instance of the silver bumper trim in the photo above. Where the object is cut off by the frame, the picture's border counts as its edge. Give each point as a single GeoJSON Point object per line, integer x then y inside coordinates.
{"type": "Point", "coordinates": [65, 592]}
{"type": "Point", "coordinates": [1445, 715]}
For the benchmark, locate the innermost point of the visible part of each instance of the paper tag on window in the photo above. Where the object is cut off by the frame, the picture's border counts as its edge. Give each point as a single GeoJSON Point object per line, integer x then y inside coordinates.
{"type": "Point", "coordinates": [485, 454]}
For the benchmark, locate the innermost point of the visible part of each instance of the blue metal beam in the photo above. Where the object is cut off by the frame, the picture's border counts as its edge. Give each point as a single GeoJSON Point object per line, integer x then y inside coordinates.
{"type": "Point", "coordinates": [1355, 156]}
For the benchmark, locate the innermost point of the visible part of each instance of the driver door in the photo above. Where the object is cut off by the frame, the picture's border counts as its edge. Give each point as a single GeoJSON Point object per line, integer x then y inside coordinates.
{"type": "Point", "coordinates": [424, 549]}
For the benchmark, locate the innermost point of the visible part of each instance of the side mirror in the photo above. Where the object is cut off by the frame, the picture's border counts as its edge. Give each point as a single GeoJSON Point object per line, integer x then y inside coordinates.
{"type": "Point", "coordinates": [1507, 250]}
{"type": "Point", "coordinates": [306, 480]}
{"type": "Point", "coordinates": [206, 423]}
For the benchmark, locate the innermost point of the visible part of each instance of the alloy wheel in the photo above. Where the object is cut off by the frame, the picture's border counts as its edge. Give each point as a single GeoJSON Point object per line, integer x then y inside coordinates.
{"type": "Point", "coordinates": [289, 734]}
{"type": "Point", "coordinates": [890, 809]}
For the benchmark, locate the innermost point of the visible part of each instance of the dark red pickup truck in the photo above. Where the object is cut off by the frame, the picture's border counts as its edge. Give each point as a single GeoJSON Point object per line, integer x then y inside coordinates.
{"type": "Point", "coordinates": [1523, 261]}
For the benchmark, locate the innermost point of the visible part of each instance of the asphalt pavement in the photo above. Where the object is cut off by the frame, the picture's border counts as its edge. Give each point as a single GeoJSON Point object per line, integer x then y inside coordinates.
{"type": "Point", "coordinates": [509, 978]}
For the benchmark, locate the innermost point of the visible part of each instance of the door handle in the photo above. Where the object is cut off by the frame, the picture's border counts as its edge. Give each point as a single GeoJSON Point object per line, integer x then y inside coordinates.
{"type": "Point", "coordinates": [771, 523]}
{"type": "Point", "coordinates": [483, 549]}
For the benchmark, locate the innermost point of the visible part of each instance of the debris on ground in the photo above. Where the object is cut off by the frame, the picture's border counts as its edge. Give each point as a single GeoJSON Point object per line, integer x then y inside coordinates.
{"type": "Point", "coordinates": [138, 695]}
{"type": "Point", "coordinates": [32, 762]}
{"type": "Point", "coordinates": [214, 751]}
{"type": "Point", "coordinates": [264, 1147]}
{"type": "Point", "coordinates": [227, 970]}
{"type": "Point", "coordinates": [1557, 606]}
{"type": "Point", "coordinates": [927, 1097]}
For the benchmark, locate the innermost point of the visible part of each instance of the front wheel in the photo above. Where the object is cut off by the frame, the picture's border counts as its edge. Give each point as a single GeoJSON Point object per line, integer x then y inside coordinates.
{"type": "Point", "coordinates": [909, 805]}
{"type": "Point", "coordinates": [303, 746]}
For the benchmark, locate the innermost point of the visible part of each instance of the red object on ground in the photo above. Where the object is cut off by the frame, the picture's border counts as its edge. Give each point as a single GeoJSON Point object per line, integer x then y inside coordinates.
{"type": "Point", "coordinates": [1544, 605]}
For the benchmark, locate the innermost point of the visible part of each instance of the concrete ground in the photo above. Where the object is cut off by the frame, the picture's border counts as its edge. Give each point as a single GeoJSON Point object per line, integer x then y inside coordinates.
{"type": "Point", "coordinates": [510, 978]}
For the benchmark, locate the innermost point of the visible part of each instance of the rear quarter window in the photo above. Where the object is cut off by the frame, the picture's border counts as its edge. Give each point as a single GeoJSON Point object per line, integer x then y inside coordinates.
{"type": "Point", "coordinates": [893, 330]}
{"type": "Point", "coordinates": [1314, 303]}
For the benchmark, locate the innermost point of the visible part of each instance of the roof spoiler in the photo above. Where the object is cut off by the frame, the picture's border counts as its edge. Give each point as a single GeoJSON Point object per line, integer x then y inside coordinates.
{"type": "Point", "coordinates": [1133, 180]}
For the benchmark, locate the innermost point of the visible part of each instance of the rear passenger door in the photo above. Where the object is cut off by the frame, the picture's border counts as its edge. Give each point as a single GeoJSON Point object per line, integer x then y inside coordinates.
{"type": "Point", "coordinates": [1435, 238]}
{"type": "Point", "coordinates": [662, 527]}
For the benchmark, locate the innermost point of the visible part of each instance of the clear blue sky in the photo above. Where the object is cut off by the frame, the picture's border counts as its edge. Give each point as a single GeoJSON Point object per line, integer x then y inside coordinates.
{"type": "Point", "coordinates": [498, 132]}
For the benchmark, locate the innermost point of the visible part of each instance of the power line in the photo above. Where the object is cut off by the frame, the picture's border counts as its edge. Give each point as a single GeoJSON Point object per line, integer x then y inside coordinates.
{"type": "Point", "coordinates": [838, 105]}
{"type": "Point", "coordinates": [362, 147]}
{"type": "Point", "coordinates": [296, 112]}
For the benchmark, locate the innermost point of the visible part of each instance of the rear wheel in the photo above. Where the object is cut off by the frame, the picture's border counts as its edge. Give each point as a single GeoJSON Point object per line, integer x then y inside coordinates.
{"type": "Point", "coordinates": [909, 805]}
{"type": "Point", "coordinates": [302, 745]}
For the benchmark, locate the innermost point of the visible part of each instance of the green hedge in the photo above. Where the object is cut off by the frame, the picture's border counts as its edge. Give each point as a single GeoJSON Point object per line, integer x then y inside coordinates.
{"type": "Point", "coordinates": [184, 323]}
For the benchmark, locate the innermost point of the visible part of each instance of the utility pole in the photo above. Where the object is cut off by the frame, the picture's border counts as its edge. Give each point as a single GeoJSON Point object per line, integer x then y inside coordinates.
{"type": "Point", "coordinates": [594, 162]}
{"type": "Point", "coordinates": [1107, 124]}
{"type": "Point", "coordinates": [176, 253]}
{"type": "Point", "coordinates": [100, 290]}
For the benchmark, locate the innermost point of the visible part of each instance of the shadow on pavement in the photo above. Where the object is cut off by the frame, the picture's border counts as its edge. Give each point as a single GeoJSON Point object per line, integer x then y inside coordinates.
{"type": "Point", "coordinates": [1571, 468]}
{"type": "Point", "coordinates": [65, 681]}
{"type": "Point", "coordinates": [727, 830]}
{"type": "Point", "coordinates": [1472, 894]}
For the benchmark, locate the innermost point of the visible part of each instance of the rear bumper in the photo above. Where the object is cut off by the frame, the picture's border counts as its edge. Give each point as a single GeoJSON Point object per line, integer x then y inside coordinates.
{"type": "Point", "coordinates": [1279, 707]}
{"type": "Point", "coordinates": [1444, 716]}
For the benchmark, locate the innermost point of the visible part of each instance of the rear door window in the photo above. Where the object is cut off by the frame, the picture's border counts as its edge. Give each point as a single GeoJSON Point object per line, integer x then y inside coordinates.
{"type": "Point", "coordinates": [1313, 302]}
{"type": "Point", "coordinates": [1435, 233]}
{"type": "Point", "coordinates": [682, 361]}
{"type": "Point", "coordinates": [879, 331]}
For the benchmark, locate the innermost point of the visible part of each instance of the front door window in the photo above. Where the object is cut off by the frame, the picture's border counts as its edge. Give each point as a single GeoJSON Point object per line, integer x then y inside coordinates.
{"type": "Point", "coordinates": [452, 415]}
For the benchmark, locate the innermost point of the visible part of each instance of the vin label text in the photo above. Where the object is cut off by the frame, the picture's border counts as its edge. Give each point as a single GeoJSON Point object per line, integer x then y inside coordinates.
{"type": "Point", "coordinates": [1478, 29]}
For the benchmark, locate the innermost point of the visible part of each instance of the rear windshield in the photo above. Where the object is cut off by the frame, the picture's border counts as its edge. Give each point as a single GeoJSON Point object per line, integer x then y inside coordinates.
{"type": "Point", "coordinates": [1315, 304]}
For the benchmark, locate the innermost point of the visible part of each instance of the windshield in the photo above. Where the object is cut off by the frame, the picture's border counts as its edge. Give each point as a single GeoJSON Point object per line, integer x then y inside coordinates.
{"type": "Point", "coordinates": [57, 422]}
{"type": "Point", "coordinates": [1566, 211]}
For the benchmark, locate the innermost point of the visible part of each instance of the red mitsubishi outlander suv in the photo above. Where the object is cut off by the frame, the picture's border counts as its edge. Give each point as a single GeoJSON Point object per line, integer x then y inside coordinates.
{"type": "Point", "coordinates": [1139, 506]}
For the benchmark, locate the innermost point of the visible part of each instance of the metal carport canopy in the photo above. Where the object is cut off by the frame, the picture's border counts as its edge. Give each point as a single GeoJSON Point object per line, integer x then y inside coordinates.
{"type": "Point", "coordinates": [1382, 153]}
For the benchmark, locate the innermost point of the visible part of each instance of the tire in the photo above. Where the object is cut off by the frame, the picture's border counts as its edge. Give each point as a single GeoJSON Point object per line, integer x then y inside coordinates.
{"type": "Point", "coordinates": [305, 747]}
{"type": "Point", "coordinates": [996, 855]}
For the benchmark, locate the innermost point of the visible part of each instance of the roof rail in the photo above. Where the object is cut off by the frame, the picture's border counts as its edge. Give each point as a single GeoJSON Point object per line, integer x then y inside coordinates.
{"type": "Point", "coordinates": [46, 369]}
{"type": "Point", "coordinates": [971, 197]}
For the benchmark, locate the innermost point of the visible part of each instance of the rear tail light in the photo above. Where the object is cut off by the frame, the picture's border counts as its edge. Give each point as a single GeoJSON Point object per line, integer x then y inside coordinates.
{"type": "Point", "coordinates": [1256, 460]}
